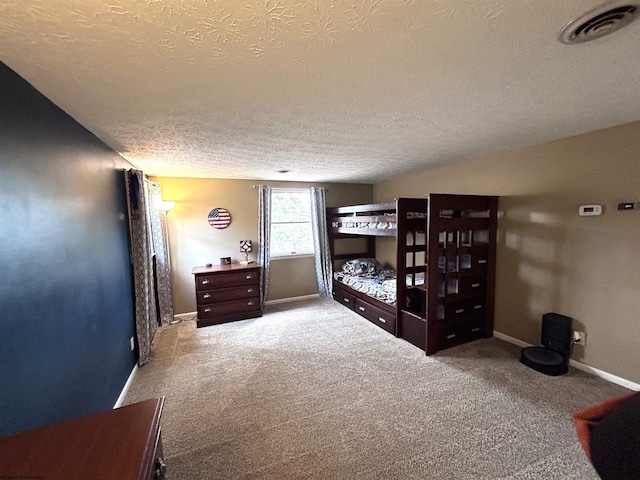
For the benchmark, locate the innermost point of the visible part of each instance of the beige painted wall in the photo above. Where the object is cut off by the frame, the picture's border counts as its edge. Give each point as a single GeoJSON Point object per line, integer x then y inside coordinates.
{"type": "Point", "coordinates": [192, 242]}
{"type": "Point", "coordinates": [549, 258]}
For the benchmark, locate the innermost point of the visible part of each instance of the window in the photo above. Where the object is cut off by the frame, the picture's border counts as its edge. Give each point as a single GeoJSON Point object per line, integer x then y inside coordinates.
{"type": "Point", "coordinates": [291, 232]}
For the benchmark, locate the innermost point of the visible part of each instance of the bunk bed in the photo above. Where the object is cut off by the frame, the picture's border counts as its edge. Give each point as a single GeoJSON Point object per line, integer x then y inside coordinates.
{"type": "Point", "coordinates": [441, 292]}
{"type": "Point", "coordinates": [356, 271]}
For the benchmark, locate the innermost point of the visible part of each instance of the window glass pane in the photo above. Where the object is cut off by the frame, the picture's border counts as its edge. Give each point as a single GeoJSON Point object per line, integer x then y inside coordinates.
{"type": "Point", "coordinates": [291, 232]}
{"type": "Point", "coordinates": [291, 238]}
{"type": "Point", "coordinates": [290, 207]}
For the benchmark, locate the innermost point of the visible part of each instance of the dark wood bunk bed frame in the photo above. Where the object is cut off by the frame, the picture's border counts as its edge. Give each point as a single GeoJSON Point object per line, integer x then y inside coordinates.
{"type": "Point", "coordinates": [445, 241]}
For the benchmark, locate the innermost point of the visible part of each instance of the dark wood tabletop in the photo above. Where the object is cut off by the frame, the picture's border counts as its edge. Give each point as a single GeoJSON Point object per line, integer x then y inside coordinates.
{"type": "Point", "coordinates": [116, 444]}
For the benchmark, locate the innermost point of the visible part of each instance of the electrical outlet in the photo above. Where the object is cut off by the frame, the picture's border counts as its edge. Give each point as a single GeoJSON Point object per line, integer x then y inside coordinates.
{"type": "Point", "coordinates": [579, 338]}
{"type": "Point", "coordinates": [132, 343]}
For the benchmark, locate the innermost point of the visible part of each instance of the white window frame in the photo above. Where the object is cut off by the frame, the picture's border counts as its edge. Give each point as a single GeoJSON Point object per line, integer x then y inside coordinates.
{"type": "Point", "coordinates": [280, 255]}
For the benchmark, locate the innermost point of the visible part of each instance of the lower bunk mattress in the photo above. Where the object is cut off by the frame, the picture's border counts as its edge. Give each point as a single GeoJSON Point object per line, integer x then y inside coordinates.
{"type": "Point", "coordinates": [383, 290]}
{"type": "Point", "coordinates": [369, 289]}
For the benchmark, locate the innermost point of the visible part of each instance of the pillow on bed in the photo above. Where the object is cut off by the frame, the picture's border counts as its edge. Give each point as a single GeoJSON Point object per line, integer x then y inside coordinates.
{"type": "Point", "coordinates": [363, 267]}
{"type": "Point", "coordinates": [386, 275]}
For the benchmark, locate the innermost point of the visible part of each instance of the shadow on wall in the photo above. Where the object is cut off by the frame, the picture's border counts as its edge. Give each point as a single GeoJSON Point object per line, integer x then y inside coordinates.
{"type": "Point", "coordinates": [531, 239]}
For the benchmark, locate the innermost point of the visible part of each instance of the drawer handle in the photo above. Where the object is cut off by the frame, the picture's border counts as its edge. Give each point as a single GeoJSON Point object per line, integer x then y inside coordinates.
{"type": "Point", "coordinates": [477, 329]}
{"type": "Point", "coordinates": [362, 309]}
{"type": "Point", "coordinates": [482, 261]}
{"type": "Point", "coordinates": [207, 309]}
{"type": "Point", "coordinates": [477, 307]}
{"type": "Point", "coordinates": [161, 468]}
{"type": "Point", "coordinates": [250, 302]}
{"type": "Point", "coordinates": [449, 337]}
{"type": "Point", "coordinates": [382, 320]}
{"type": "Point", "coordinates": [249, 277]}
{"type": "Point", "coordinates": [249, 290]}
{"type": "Point", "coordinates": [346, 300]}
{"type": "Point", "coordinates": [206, 295]}
{"type": "Point", "coordinates": [205, 281]}
{"type": "Point", "coordinates": [460, 310]}
{"type": "Point", "coordinates": [475, 285]}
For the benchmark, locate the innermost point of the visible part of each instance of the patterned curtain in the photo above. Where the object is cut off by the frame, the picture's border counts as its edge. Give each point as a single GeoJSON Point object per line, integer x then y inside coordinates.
{"type": "Point", "coordinates": [142, 266]}
{"type": "Point", "coordinates": [160, 241]}
{"type": "Point", "coordinates": [264, 237]}
{"type": "Point", "coordinates": [324, 270]}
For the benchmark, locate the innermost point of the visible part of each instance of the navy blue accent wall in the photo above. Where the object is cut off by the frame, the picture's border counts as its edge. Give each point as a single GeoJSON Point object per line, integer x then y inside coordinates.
{"type": "Point", "coordinates": [66, 306]}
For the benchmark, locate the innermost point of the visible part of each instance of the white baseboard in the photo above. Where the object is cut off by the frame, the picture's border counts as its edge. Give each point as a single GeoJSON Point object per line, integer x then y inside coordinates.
{"type": "Point", "coordinates": [186, 316]}
{"type": "Point", "coordinates": [292, 299]}
{"type": "Point", "coordinates": [606, 375]}
{"type": "Point", "coordinates": [580, 366]}
{"type": "Point", "coordinates": [125, 389]}
{"type": "Point", "coordinates": [512, 340]}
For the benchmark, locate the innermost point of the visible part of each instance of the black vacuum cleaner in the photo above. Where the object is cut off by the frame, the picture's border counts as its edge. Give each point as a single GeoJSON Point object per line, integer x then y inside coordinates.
{"type": "Point", "coordinates": [552, 358]}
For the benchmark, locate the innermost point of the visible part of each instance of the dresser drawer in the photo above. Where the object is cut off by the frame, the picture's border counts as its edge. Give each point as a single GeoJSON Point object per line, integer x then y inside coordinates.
{"type": "Point", "coordinates": [464, 309]}
{"type": "Point", "coordinates": [227, 279]}
{"type": "Point", "coordinates": [472, 286]}
{"type": "Point", "coordinates": [226, 294]}
{"type": "Point", "coordinates": [449, 336]}
{"type": "Point", "coordinates": [479, 260]}
{"type": "Point", "coordinates": [344, 298]}
{"type": "Point", "coordinates": [232, 306]}
{"type": "Point", "coordinates": [384, 320]}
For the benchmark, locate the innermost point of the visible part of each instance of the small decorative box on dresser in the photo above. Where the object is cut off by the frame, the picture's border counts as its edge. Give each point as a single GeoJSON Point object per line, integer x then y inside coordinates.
{"type": "Point", "coordinates": [225, 293]}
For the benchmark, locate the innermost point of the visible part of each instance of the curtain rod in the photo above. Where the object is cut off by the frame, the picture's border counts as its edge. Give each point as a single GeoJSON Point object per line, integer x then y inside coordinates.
{"type": "Point", "coordinates": [286, 188]}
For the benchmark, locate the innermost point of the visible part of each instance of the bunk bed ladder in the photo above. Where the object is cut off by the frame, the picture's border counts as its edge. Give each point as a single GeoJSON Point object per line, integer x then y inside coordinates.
{"type": "Point", "coordinates": [461, 269]}
{"type": "Point", "coordinates": [411, 257]}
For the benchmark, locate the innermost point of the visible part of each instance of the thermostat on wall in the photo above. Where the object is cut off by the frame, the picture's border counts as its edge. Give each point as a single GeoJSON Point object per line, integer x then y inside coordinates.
{"type": "Point", "coordinates": [590, 210]}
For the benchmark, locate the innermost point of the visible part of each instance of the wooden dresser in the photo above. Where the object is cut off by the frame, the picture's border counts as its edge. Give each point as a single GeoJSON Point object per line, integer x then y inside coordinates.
{"type": "Point", "coordinates": [225, 293]}
{"type": "Point", "coordinates": [124, 443]}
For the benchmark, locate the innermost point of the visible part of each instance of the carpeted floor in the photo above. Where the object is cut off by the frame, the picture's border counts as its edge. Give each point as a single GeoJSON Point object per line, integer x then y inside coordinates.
{"type": "Point", "coordinates": [312, 390]}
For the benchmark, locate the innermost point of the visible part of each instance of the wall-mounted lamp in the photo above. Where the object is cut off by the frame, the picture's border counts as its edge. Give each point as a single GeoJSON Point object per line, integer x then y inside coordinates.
{"type": "Point", "coordinates": [245, 247]}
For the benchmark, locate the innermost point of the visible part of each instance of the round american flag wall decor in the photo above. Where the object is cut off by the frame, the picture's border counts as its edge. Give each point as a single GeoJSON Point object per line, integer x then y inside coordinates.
{"type": "Point", "coordinates": [219, 218]}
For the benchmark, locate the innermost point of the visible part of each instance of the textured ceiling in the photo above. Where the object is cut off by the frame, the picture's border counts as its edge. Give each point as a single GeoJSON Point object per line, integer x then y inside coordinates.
{"type": "Point", "coordinates": [332, 90]}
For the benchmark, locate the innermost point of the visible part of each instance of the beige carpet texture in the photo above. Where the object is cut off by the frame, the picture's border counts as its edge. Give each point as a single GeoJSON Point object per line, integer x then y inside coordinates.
{"type": "Point", "coordinates": [311, 390]}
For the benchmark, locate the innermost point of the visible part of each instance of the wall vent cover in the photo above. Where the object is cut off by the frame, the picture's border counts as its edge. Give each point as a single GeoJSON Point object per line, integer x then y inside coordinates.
{"type": "Point", "coordinates": [599, 22]}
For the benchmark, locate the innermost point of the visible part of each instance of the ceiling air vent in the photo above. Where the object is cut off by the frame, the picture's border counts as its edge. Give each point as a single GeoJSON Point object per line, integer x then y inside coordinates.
{"type": "Point", "coordinates": [599, 22]}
